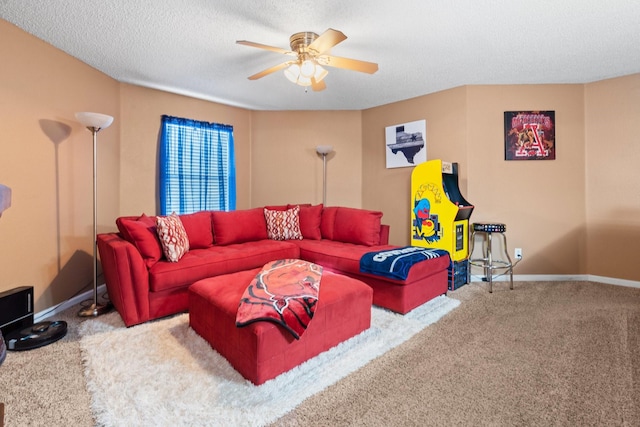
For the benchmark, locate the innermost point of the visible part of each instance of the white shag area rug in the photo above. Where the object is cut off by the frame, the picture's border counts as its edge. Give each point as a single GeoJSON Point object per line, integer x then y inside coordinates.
{"type": "Point", "coordinates": [163, 373]}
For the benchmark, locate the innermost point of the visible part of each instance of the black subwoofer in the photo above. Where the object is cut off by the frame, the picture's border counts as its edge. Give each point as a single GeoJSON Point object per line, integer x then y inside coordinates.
{"type": "Point", "coordinates": [16, 309]}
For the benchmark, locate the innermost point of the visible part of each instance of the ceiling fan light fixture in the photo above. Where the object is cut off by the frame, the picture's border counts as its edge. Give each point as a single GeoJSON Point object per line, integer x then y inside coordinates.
{"type": "Point", "coordinates": [304, 81]}
{"type": "Point", "coordinates": [320, 73]}
{"type": "Point", "coordinates": [311, 51]}
{"type": "Point", "coordinates": [295, 74]}
{"type": "Point", "coordinates": [307, 68]}
{"type": "Point", "coordinates": [292, 73]}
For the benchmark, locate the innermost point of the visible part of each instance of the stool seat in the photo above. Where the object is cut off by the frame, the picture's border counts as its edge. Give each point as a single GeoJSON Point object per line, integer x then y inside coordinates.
{"type": "Point", "coordinates": [488, 262]}
{"type": "Point", "coordinates": [489, 228]}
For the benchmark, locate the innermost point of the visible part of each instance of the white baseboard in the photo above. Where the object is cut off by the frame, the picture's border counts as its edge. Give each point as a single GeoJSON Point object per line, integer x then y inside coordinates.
{"type": "Point", "coordinates": [561, 277]}
{"type": "Point", "coordinates": [613, 281]}
{"type": "Point", "coordinates": [51, 311]}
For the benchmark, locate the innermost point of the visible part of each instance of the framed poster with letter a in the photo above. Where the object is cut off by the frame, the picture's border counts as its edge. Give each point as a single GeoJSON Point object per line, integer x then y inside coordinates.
{"type": "Point", "coordinates": [529, 135]}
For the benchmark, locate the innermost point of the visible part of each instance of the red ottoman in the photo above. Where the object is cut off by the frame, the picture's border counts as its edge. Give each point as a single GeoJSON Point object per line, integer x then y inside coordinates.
{"type": "Point", "coordinates": [263, 350]}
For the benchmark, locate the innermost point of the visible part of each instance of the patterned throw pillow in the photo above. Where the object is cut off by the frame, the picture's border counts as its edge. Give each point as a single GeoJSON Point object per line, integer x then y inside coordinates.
{"type": "Point", "coordinates": [174, 239]}
{"type": "Point", "coordinates": [283, 225]}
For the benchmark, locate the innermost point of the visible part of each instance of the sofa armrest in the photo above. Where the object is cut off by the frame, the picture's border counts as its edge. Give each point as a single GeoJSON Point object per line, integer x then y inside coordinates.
{"type": "Point", "coordinates": [126, 276]}
{"type": "Point", "coordinates": [384, 234]}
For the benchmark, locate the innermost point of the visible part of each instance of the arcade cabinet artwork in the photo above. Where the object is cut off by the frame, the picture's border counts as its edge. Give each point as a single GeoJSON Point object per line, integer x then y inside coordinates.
{"type": "Point", "coordinates": [440, 215]}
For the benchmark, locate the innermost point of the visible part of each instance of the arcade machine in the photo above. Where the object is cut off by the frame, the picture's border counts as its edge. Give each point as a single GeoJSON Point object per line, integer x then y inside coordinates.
{"type": "Point", "coordinates": [440, 215]}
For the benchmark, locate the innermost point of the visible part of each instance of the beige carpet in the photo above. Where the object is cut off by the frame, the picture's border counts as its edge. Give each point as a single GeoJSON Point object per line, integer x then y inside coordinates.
{"type": "Point", "coordinates": [562, 354]}
{"type": "Point", "coordinates": [546, 353]}
{"type": "Point", "coordinates": [45, 387]}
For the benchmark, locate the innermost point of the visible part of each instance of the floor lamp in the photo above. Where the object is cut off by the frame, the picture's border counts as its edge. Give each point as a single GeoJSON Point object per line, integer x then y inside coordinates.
{"type": "Point", "coordinates": [5, 203]}
{"type": "Point", "coordinates": [5, 198]}
{"type": "Point", "coordinates": [324, 150]}
{"type": "Point", "coordinates": [95, 122]}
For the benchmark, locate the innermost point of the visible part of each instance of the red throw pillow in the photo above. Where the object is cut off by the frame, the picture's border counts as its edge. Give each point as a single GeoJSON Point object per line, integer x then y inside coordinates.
{"type": "Point", "coordinates": [198, 228]}
{"type": "Point", "coordinates": [358, 226]}
{"type": "Point", "coordinates": [239, 226]}
{"type": "Point", "coordinates": [278, 207]}
{"type": "Point", "coordinates": [310, 219]}
{"type": "Point", "coordinates": [327, 222]}
{"type": "Point", "coordinates": [142, 234]}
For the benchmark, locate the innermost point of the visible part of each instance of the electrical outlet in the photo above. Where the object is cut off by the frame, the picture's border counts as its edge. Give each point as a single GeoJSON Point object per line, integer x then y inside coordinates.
{"type": "Point", "coordinates": [518, 253]}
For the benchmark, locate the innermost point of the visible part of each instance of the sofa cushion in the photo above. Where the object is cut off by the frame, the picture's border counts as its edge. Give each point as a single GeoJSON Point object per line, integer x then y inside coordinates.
{"type": "Point", "coordinates": [239, 226]}
{"type": "Point", "coordinates": [278, 207]}
{"type": "Point", "coordinates": [174, 239]}
{"type": "Point", "coordinates": [345, 258]}
{"type": "Point", "coordinates": [358, 226]}
{"type": "Point", "coordinates": [283, 225]}
{"type": "Point", "coordinates": [310, 219]}
{"type": "Point", "coordinates": [198, 228]}
{"type": "Point", "coordinates": [327, 222]}
{"type": "Point", "coordinates": [334, 255]}
{"type": "Point", "coordinates": [201, 263]}
{"type": "Point", "coordinates": [141, 232]}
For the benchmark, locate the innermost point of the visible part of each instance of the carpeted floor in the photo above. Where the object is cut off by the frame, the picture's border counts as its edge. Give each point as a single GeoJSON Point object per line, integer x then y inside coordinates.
{"type": "Point", "coordinates": [546, 353]}
{"type": "Point", "coordinates": [561, 354]}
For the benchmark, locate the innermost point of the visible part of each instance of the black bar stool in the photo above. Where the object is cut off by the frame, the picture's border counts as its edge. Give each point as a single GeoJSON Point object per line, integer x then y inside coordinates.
{"type": "Point", "coordinates": [487, 262]}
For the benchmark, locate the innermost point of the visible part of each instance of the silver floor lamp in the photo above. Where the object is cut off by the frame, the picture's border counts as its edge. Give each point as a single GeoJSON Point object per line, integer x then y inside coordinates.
{"type": "Point", "coordinates": [323, 150]}
{"type": "Point", "coordinates": [95, 122]}
{"type": "Point", "coordinates": [5, 203]}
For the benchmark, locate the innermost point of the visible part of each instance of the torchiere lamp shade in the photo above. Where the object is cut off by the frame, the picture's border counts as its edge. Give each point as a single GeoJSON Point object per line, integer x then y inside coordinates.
{"type": "Point", "coordinates": [94, 120]}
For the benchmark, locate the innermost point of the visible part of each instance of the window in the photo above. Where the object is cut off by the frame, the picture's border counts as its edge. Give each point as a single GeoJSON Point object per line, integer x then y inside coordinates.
{"type": "Point", "coordinates": [197, 166]}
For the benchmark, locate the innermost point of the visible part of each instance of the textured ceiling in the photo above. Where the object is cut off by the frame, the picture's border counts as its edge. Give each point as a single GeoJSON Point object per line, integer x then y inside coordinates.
{"type": "Point", "coordinates": [421, 46]}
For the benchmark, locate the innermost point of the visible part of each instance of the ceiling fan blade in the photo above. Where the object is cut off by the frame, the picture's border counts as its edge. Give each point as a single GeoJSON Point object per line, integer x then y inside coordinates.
{"type": "Point", "coordinates": [266, 47]}
{"type": "Point", "coordinates": [317, 86]}
{"type": "Point", "coordinates": [347, 63]}
{"type": "Point", "coordinates": [270, 70]}
{"type": "Point", "coordinates": [326, 41]}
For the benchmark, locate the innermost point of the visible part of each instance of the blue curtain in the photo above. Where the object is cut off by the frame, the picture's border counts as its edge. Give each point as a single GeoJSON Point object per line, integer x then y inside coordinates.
{"type": "Point", "coordinates": [197, 166]}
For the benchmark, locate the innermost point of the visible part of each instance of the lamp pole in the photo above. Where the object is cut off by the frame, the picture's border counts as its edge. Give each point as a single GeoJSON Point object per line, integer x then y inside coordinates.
{"type": "Point", "coordinates": [324, 178]}
{"type": "Point", "coordinates": [324, 150]}
{"type": "Point", "coordinates": [95, 122]}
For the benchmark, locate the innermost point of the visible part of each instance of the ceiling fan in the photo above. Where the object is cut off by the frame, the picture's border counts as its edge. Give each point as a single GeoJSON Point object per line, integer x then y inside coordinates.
{"type": "Point", "coordinates": [311, 53]}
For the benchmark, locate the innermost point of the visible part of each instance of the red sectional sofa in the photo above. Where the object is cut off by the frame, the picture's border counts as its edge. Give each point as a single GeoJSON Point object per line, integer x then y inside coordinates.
{"type": "Point", "coordinates": [144, 285]}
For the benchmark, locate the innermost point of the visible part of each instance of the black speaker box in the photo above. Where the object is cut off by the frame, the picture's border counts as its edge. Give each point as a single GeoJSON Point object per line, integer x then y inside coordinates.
{"type": "Point", "coordinates": [16, 309]}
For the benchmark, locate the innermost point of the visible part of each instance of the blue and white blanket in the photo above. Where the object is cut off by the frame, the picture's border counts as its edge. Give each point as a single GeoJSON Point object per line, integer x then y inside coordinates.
{"type": "Point", "coordinates": [396, 263]}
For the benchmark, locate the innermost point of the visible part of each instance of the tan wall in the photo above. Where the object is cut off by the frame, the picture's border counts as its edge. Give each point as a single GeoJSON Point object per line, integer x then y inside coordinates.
{"type": "Point", "coordinates": [286, 168]}
{"type": "Point", "coordinates": [46, 159]}
{"type": "Point", "coordinates": [388, 190]}
{"type": "Point", "coordinates": [541, 202]}
{"type": "Point", "coordinates": [612, 111]}
{"type": "Point", "coordinates": [574, 215]}
{"type": "Point", "coordinates": [141, 111]}
{"type": "Point", "coordinates": [465, 125]}
{"type": "Point", "coordinates": [577, 214]}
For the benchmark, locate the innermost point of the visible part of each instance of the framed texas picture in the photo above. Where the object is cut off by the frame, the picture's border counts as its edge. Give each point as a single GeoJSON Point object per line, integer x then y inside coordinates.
{"type": "Point", "coordinates": [405, 144]}
{"type": "Point", "coordinates": [529, 135]}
